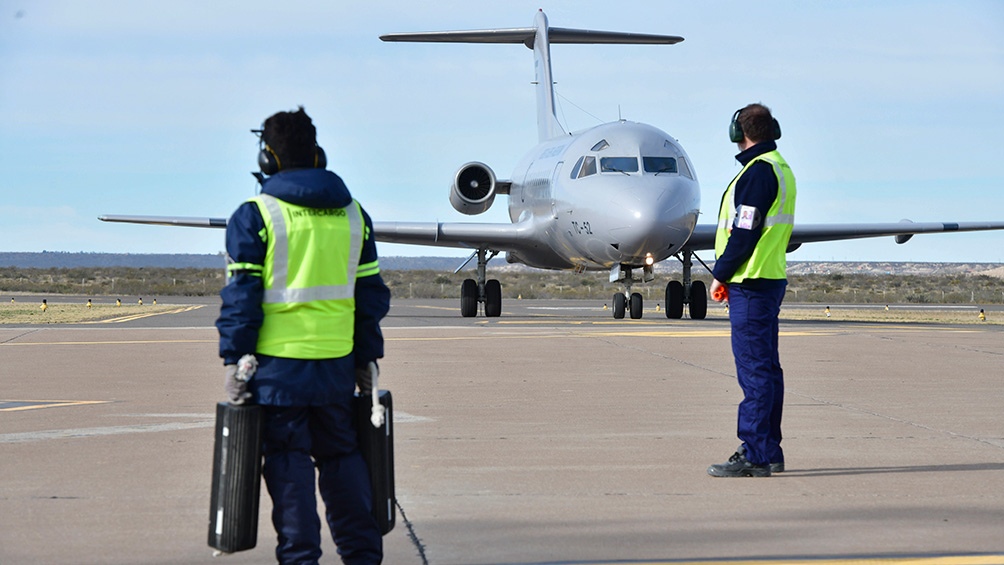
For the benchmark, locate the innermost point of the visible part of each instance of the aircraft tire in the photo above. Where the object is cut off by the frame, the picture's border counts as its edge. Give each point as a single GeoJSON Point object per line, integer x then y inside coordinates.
{"type": "Point", "coordinates": [674, 300]}
{"type": "Point", "coordinates": [619, 305]}
{"type": "Point", "coordinates": [469, 298]}
{"type": "Point", "coordinates": [493, 298]}
{"type": "Point", "coordinates": [636, 306]}
{"type": "Point", "coordinates": [698, 300]}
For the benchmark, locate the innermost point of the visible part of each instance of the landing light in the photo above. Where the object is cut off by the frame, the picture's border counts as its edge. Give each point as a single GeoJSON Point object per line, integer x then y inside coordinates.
{"type": "Point", "coordinates": [649, 260]}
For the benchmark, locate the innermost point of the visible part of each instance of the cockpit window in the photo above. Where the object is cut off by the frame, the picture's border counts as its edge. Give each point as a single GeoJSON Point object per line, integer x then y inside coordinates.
{"type": "Point", "coordinates": [685, 169]}
{"type": "Point", "coordinates": [575, 169]}
{"type": "Point", "coordinates": [584, 167]}
{"type": "Point", "coordinates": [600, 145]}
{"type": "Point", "coordinates": [659, 164]}
{"type": "Point", "coordinates": [619, 164]}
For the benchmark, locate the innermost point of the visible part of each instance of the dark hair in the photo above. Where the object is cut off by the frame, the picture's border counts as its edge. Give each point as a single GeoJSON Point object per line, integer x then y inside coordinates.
{"type": "Point", "coordinates": [292, 137]}
{"type": "Point", "coordinates": [757, 123]}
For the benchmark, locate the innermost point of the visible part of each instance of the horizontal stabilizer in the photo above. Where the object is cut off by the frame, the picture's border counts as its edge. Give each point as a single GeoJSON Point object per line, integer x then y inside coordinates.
{"type": "Point", "coordinates": [525, 35]}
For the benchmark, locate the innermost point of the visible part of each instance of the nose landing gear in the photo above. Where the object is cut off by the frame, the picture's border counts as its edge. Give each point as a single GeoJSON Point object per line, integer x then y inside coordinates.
{"type": "Point", "coordinates": [627, 301]}
{"type": "Point", "coordinates": [689, 292]}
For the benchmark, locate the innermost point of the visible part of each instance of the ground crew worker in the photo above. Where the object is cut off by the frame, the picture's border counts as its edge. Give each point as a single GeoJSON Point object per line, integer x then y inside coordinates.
{"type": "Point", "coordinates": [755, 222]}
{"type": "Point", "coordinates": [44, 306]}
{"type": "Point", "coordinates": [827, 311]}
{"type": "Point", "coordinates": [305, 297]}
{"type": "Point", "coordinates": [982, 316]}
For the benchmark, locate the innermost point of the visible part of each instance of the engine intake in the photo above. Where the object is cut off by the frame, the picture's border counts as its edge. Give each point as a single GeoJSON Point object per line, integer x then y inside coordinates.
{"type": "Point", "coordinates": [473, 189]}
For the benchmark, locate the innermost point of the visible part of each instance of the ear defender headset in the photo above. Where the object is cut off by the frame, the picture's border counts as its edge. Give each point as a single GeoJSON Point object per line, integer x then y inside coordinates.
{"type": "Point", "coordinates": [270, 164]}
{"type": "Point", "coordinates": [736, 134]}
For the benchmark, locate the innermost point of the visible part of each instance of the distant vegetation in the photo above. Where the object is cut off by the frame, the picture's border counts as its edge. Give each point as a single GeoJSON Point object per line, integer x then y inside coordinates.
{"type": "Point", "coordinates": [111, 281]}
{"type": "Point", "coordinates": [833, 288]}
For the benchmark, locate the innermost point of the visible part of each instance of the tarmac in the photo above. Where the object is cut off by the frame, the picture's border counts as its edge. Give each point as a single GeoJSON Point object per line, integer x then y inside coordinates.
{"type": "Point", "coordinates": [551, 435]}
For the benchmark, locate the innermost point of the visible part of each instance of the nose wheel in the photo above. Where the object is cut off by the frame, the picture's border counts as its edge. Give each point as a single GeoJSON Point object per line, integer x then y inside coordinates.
{"type": "Point", "coordinates": [625, 305]}
{"type": "Point", "coordinates": [628, 302]}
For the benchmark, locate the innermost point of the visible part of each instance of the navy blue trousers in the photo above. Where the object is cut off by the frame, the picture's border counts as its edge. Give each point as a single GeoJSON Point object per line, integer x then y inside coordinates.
{"type": "Point", "coordinates": [753, 314]}
{"type": "Point", "coordinates": [295, 440]}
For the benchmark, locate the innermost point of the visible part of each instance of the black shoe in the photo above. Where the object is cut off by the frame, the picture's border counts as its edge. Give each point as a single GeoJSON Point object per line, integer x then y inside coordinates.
{"type": "Point", "coordinates": [777, 467]}
{"type": "Point", "coordinates": [739, 466]}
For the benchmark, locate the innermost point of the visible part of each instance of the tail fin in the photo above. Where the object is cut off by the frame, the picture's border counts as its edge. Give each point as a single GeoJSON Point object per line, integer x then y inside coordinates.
{"type": "Point", "coordinates": [539, 38]}
{"type": "Point", "coordinates": [547, 118]}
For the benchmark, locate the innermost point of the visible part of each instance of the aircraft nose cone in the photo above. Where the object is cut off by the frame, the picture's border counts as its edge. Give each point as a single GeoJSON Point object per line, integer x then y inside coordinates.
{"type": "Point", "coordinates": [651, 230]}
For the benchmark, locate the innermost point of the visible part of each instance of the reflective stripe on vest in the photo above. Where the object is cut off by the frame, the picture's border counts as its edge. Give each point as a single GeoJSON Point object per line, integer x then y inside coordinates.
{"type": "Point", "coordinates": [309, 276]}
{"type": "Point", "coordinates": [280, 291]}
{"type": "Point", "coordinates": [768, 258]}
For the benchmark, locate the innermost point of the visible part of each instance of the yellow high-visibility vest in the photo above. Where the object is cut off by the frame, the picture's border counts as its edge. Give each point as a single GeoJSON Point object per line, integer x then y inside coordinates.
{"type": "Point", "coordinates": [309, 277]}
{"type": "Point", "coordinates": [768, 258]}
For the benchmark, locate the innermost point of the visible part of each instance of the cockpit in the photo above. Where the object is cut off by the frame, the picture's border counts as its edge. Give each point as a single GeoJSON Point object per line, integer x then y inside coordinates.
{"type": "Point", "coordinates": [586, 165]}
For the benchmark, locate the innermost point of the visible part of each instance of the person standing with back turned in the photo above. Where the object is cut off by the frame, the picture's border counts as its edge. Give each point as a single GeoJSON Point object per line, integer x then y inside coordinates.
{"type": "Point", "coordinates": [754, 225]}
{"type": "Point", "coordinates": [306, 298]}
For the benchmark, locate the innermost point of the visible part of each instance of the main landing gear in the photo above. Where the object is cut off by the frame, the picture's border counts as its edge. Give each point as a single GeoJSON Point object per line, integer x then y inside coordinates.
{"type": "Point", "coordinates": [481, 290]}
{"type": "Point", "coordinates": [689, 292]}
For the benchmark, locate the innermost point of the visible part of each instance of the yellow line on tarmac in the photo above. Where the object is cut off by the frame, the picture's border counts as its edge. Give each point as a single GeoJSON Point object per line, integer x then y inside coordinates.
{"type": "Point", "coordinates": [938, 560]}
{"type": "Point", "coordinates": [602, 333]}
{"type": "Point", "coordinates": [19, 405]}
{"type": "Point", "coordinates": [436, 308]}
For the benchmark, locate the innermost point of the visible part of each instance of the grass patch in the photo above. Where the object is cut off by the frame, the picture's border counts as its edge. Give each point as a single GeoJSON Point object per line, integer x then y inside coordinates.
{"type": "Point", "coordinates": [73, 313]}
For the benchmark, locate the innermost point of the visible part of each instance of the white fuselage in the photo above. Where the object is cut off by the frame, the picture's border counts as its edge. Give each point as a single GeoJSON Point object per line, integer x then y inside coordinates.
{"type": "Point", "coordinates": [598, 198]}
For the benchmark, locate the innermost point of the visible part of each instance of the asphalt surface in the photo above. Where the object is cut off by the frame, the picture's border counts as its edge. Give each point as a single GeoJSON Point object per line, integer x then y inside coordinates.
{"type": "Point", "coordinates": [553, 434]}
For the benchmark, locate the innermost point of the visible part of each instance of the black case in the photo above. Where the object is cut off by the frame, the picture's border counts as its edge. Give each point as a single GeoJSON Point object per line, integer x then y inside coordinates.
{"type": "Point", "coordinates": [377, 447]}
{"type": "Point", "coordinates": [233, 510]}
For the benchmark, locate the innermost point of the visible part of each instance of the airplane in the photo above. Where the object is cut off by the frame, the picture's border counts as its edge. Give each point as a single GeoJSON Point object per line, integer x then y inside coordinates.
{"type": "Point", "coordinates": [617, 197]}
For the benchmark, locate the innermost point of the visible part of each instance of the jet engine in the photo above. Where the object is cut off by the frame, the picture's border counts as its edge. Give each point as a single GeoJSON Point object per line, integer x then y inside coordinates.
{"type": "Point", "coordinates": [473, 189]}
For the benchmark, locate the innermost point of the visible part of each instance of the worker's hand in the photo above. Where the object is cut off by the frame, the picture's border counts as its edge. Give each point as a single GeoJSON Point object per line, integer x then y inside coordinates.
{"type": "Point", "coordinates": [719, 291]}
{"type": "Point", "coordinates": [237, 390]}
{"type": "Point", "coordinates": [365, 377]}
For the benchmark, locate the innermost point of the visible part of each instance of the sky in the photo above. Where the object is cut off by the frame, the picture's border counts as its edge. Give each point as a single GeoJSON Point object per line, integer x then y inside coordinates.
{"type": "Point", "coordinates": [889, 110]}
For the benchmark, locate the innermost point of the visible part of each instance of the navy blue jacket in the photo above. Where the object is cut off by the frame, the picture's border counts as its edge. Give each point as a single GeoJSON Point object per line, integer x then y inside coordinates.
{"type": "Point", "coordinates": [757, 187]}
{"type": "Point", "coordinates": [293, 382]}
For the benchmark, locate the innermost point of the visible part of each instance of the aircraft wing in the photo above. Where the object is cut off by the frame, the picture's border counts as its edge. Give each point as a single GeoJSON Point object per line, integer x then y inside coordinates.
{"type": "Point", "coordinates": [499, 237]}
{"type": "Point", "coordinates": [183, 221]}
{"type": "Point", "coordinates": [495, 236]}
{"type": "Point", "coordinates": [704, 235]}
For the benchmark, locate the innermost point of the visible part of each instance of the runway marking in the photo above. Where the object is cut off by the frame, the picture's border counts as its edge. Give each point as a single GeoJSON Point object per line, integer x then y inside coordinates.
{"type": "Point", "coordinates": [436, 308]}
{"type": "Point", "coordinates": [125, 342]}
{"type": "Point", "coordinates": [406, 418]}
{"type": "Point", "coordinates": [129, 318]}
{"type": "Point", "coordinates": [19, 405]}
{"type": "Point", "coordinates": [74, 433]}
{"type": "Point", "coordinates": [606, 333]}
{"type": "Point", "coordinates": [934, 560]}
{"type": "Point", "coordinates": [198, 421]}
